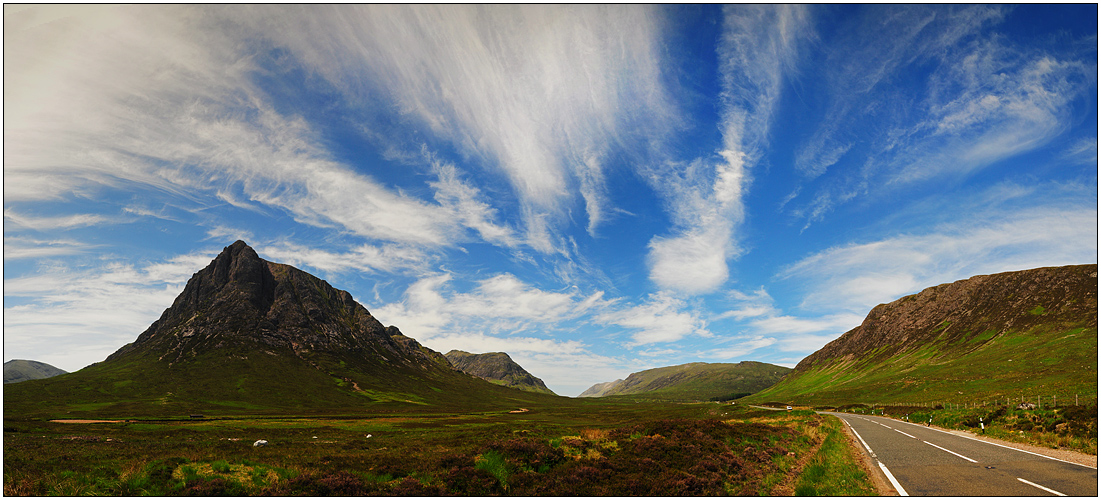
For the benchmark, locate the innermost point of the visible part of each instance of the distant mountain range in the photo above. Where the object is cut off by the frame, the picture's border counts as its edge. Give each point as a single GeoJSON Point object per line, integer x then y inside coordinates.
{"type": "Point", "coordinates": [19, 370]}
{"type": "Point", "coordinates": [991, 337]}
{"type": "Point", "coordinates": [694, 381]}
{"type": "Point", "coordinates": [250, 335]}
{"type": "Point", "coordinates": [496, 367]}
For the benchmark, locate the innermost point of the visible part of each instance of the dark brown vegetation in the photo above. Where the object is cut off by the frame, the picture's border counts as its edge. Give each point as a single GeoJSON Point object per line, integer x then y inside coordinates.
{"type": "Point", "coordinates": [686, 450]}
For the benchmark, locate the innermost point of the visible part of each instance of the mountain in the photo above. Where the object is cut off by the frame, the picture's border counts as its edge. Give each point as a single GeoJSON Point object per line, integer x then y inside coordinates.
{"type": "Point", "coordinates": [18, 370]}
{"type": "Point", "coordinates": [600, 389]}
{"type": "Point", "coordinates": [496, 367]}
{"type": "Point", "coordinates": [250, 335]}
{"type": "Point", "coordinates": [1007, 335]}
{"type": "Point", "coordinates": [695, 381]}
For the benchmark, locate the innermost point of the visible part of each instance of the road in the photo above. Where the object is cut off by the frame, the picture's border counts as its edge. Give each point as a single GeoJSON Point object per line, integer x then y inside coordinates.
{"type": "Point", "coordinates": [919, 460]}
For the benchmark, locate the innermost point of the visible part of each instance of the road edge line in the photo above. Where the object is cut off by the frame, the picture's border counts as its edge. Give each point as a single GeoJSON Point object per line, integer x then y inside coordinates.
{"type": "Point", "coordinates": [891, 478]}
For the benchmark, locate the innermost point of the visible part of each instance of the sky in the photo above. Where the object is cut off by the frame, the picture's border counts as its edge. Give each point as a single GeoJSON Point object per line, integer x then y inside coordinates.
{"type": "Point", "coordinates": [595, 190]}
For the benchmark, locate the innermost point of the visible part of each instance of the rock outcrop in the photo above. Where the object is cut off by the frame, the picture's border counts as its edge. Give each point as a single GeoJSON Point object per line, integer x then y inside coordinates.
{"type": "Point", "coordinates": [240, 299]}
{"type": "Point", "coordinates": [496, 367]}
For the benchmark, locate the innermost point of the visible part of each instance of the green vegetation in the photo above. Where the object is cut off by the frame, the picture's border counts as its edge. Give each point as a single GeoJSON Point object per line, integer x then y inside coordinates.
{"type": "Point", "coordinates": [833, 471]}
{"type": "Point", "coordinates": [698, 381]}
{"type": "Point", "coordinates": [579, 447]}
{"type": "Point", "coordinates": [986, 368]}
{"type": "Point", "coordinates": [1068, 427]}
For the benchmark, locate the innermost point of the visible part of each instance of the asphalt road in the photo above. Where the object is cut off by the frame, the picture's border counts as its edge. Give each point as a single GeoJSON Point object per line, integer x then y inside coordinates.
{"type": "Point", "coordinates": [919, 460]}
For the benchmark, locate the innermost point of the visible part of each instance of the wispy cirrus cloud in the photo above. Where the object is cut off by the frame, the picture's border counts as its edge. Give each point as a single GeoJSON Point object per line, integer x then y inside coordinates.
{"type": "Point", "coordinates": [168, 105]}
{"type": "Point", "coordinates": [759, 47]}
{"type": "Point", "coordinates": [880, 271]}
{"type": "Point", "coordinates": [539, 94]}
{"type": "Point", "coordinates": [986, 100]}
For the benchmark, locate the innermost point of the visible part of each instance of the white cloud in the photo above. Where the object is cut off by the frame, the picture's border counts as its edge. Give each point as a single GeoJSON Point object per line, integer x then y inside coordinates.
{"type": "Point", "coordinates": [501, 304]}
{"type": "Point", "coordinates": [363, 258]}
{"type": "Point", "coordinates": [858, 276]}
{"type": "Point", "coordinates": [539, 93]}
{"type": "Point", "coordinates": [158, 100]}
{"type": "Point", "coordinates": [660, 318]}
{"type": "Point", "coordinates": [71, 318]}
{"type": "Point", "coordinates": [705, 197]}
{"type": "Point", "coordinates": [30, 248]}
{"type": "Point", "coordinates": [738, 349]}
{"type": "Point", "coordinates": [986, 99]}
{"type": "Point", "coordinates": [59, 222]}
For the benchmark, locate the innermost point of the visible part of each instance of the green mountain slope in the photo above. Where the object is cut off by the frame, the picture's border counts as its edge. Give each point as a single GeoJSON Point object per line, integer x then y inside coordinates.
{"type": "Point", "coordinates": [496, 367]}
{"type": "Point", "coordinates": [19, 370]}
{"type": "Point", "coordinates": [695, 381]}
{"type": "Point", "coordinates": [1002, 336]}
{"type": "Point", "coordinates": [251, 336]}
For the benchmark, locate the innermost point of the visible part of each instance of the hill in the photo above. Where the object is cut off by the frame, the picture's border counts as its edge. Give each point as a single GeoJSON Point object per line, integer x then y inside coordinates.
{"type": "Point", "coordinates": [251, 336]}
{"type": "Point", "coordinates": [600, 389]}
{"type": "Point", "coordinates": [19, 370]}
{"type": "Point", "coordinates": [695, 381]}
{"type": "Point", "coordinates": [1001, 336]}
{"type": "Point", "coordinates": [496, 367]}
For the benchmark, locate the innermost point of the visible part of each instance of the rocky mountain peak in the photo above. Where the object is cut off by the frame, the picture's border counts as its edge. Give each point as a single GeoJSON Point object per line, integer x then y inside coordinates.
{"type": "Point", "coordinates": [240, 300]}
{"type": "Point", "coordinates": [497, 367]}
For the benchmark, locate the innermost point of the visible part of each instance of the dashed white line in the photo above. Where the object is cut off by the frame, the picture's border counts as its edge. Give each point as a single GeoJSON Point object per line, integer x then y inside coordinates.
{"type": "Point", "coordinates": [950, 451]}
{"type": "Point", "coordinates": [1001, 445]}
{"type": "Point", "coordinates": [1049, 490]}
{"type": "Point", "coordinates": [904, 434]}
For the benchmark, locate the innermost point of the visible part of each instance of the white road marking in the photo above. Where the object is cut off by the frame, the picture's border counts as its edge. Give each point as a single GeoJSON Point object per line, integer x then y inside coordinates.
{"type": "Point", "coordinates": [1049, 490]}
{"type": "Point", "coordinates": [1002, 445]}
{"type": "Point", "coordinates": [866, 447]}
{"type": "Point", "coordinates": [904, 434]}
{"type": "Point", "coordinates": [891, 477]}
{"type": "Point", "coordinates": [950, 451]}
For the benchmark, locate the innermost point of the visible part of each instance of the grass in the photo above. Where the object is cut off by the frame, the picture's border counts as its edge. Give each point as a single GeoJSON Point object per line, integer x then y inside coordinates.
{"type": "Point", "coordinates": [833, 471]}
{"type": "Point", "coordinates": [989, 367]}
{"type": "Point", "coordinates": [585, 447]}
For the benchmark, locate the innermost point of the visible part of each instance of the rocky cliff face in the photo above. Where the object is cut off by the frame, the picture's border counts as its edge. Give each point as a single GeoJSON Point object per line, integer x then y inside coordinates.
{"type": "Point", "coordinates": [955, 313]}
{"type": "Point", "coordinates": [496, 367]}
{"type": "Point", "coordinates": [241, 300]}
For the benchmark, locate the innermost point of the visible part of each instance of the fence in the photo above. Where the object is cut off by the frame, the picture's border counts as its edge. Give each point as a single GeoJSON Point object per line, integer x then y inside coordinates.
{"type": "Point", "coordinates": [1052, 401]}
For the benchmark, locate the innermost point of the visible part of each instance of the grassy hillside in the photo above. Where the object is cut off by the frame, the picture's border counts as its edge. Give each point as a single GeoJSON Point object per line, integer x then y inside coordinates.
{"type": "Point", "coordinates": [1005, 337]}
{"type": "Point", "coordinates": [1011, 366]}
{"type": "Point", "coordinates": [699, 381]}
{"type": "Point", "coordinates": [251, 381]}
{"type": "Point", "coordinates": [20, 370]}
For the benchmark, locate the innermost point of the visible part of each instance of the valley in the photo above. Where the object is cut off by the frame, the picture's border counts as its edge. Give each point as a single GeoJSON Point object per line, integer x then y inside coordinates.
{"type": "Point", "coordinates": [262, 379]}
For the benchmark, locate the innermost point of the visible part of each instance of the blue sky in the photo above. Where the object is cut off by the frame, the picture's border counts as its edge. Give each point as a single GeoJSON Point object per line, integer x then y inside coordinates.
{"type": "Point", "coordinates": [595, 190]}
